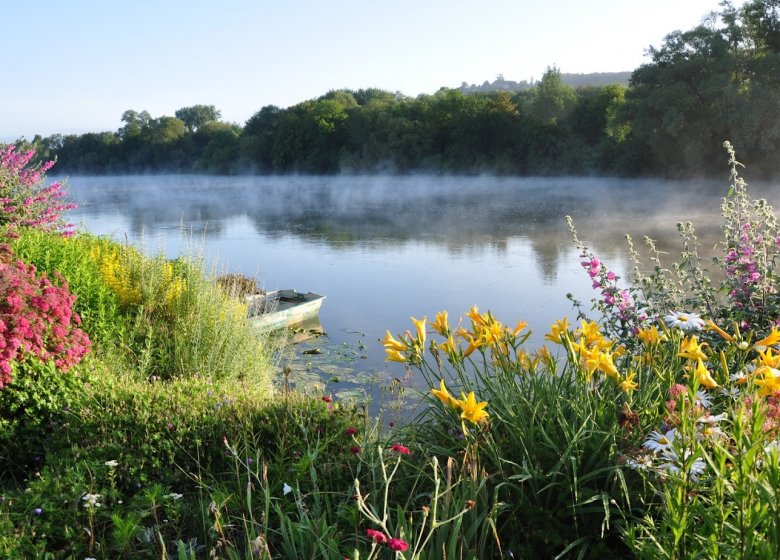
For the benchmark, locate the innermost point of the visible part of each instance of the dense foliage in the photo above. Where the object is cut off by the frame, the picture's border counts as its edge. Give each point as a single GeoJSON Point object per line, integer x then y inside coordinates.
{"type": "Point", "coordinates": [719, 80]}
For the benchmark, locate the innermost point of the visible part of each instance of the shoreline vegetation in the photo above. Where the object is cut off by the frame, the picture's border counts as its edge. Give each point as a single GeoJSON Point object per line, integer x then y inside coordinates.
{"type": "Point", "coordinates": [140, 418]}
{"type": "Point", "coordinates": [718, 80]}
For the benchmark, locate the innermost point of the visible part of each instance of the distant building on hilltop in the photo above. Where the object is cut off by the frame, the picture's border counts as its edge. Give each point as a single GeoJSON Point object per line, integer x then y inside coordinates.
{"type": "Point", "coordinates": [594, 79]}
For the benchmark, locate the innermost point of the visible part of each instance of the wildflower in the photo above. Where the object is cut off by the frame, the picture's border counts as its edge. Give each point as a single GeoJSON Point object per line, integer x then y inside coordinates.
{"type": "Point", "coordinates": [724, 335]}
{"type": "Point", "coordinates": [606, 365]}
{"type": "Point", "coordinates": [327, 399]}
{"type": "Point", "coordinates": [395, 356]}
{"type": "Point", "coordinates": [691, 349]}
{"type": "Point", "coordinates": [286, 489]}
{"type": "Point", "coordinates": [420, 329]}
{"type": "Point", "coordinates": [398, 545]}
{"type": "Point", "coordinates": [112, 463]}
{"type": "Point", "coordinates": [640, 462]}
{"type": "Point", "coordinates": [444, 396]}
{"type": "Point", "coordinates": [350, 431]}
{"type": "Point", "coordinates": [771, 339]}
{"type": "Point", "coordinates": [731, 392]}
{"type": "Point", "coordinates": [174, 496]}
{"type": "Point", "coordinates": [703, 376]}
{"type": "Point", "coordinates": [769, 381]}
{"type": "Point", "coordinates": [590, 332]}
{"type": "Point", "coordinates": [471, 410]}
{"type": "Point", "coordinates": [377, 536]}
{"type": "Point", "coordinates": [557, 331]}
{"type": "Point", "coordinates": [391, 343]}
{"type": "Point", "coordinates": [354, 450]}
{"type": "Point", "coordinates": [684, 321]}
{"type": "Point", "coordinates": [650, 335]}
{"type": "Point", "coordinates": [628, 384]}
{"type": "Point", "coordinates": [38, 511]}
{"type": "Point", "coordinates": [675, 465]}
{"type": "Point", "coordinates": [701, 399]}
{"type": "Point", "coordinates": [657, 441]}
{"type": "Point", "coordinates": [91, 500]}
{"type": "Point", "coordinates": [519, 327]}
{"type": "Point", "coordinates": [398, 448]}
{"type": "Point", "coordinates": [440, 324]}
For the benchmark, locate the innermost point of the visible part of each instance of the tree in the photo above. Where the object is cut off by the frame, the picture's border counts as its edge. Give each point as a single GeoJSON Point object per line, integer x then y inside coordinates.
{"type": "Point", "coordinates": [553, 100]}
{"type": "Point", "coordinates": [196, 116]}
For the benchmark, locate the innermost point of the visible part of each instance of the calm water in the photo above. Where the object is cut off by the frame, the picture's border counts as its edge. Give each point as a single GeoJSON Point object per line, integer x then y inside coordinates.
{"type": "Point", "coordinates": [383, 249]}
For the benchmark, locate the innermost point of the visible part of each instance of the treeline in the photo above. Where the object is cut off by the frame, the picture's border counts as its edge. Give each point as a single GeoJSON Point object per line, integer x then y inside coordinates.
{"type": "Point", "coordinates": [718, 81]}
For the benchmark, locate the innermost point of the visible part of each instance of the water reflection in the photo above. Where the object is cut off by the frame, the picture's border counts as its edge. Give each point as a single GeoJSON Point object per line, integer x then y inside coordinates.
{"type": "Point", "coordinates": [385, 248]}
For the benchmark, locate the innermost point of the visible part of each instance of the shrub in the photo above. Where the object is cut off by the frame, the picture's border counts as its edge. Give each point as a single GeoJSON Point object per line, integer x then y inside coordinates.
{"type": "Point", "coordinates": [25, 201]}
{"type": "Point", "coordinates": [36, 319]}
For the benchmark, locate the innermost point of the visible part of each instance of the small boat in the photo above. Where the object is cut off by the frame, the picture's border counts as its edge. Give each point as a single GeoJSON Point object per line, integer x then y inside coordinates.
{"type": "Point", "coordinates": [282, 308]}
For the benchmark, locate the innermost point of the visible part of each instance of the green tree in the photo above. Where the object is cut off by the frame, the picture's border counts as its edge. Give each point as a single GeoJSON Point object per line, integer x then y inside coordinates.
{"type": "Point", "coordinates": [553, 100]}
{"type": "Point", "coordinates": [197, 115]}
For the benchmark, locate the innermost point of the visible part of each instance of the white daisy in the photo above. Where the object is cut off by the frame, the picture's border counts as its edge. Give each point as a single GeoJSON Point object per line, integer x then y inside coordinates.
{"type": "Point", "coordinates": [731, 392]}
{"type": "Point", "coordinates": [640, 462]}
{"type": "Point", "coordinates": [657, 441]}
{"type": "Point", "coordinates": [684, 321]}
{"type": "Point", "coordinates": [701, 399]}
{"type": "Point", "coordinates": [674, 465]}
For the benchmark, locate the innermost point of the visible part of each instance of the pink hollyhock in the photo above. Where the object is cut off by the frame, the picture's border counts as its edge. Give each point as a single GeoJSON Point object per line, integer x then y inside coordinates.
{"type": "Point", "coordinates": [398, 545]}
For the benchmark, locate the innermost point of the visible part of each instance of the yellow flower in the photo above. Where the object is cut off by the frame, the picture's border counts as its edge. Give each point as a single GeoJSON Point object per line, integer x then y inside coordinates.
{"type": "Point", "coordinates": [703, 375]}
{"type": "Point", "coordinates": [769, 381]}
{"type": "Point", "coordinates": [391, 343]}
{"type": "Point", "coordinates": [723, 334]}
{"type": "Point", "coordinates": [471, 410]}
{"type": "Point", "coordinates": [543, 354]}
{"type": "Point", "coordinates": [769, 359]}
{"type": "Point", "coordinates": [473, 342]}
{"type": "Point", "coordinates": [692, 350]}
{"type": "Point", "coordinates": [477, 319]}
{"type": "Point", "coordinates": [444, 396]}
{"type": "Point", "coordinates": [771, 339]}
{"type": "Point", "coordinates": [606, 365]}
{"type": "Point", "coordinates": [395, 356]}
{"type": "Point", "coordinates": [420, 329]}
{"type": "Point", "coordinates": [440, 324]}
{"type": "Point", "coordinates": [628, 384]}
{"type": "Point", "coordinates": [590, 331]}
{"type": "Point", "coordinates": [448, 346]}
{"type": "Point", "coordinates": [557, 330]}
{"type": "Point", "coordinates": [650, 335]}
{"type": "Point", "coordinates": [519, 327]}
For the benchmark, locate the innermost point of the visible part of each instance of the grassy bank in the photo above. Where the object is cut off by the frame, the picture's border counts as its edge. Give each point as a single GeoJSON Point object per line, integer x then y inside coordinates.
{"type": "Point", "coordinates": [141, 419]}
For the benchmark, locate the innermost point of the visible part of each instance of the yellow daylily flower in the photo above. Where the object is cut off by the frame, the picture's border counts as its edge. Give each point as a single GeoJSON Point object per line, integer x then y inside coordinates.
{"type": "Point", "coordinates": [473, 342]}
{"type": "Point", "coordinates": [444, 396]}
{"type": "Point", "coordinates": [590, 331]}
{"type": "Point", "coordinates": [420, 329]}
{"type": "Point", "coordinates": [692, 350]}
{"type": "Point", "coordinates": [650, 335]}
{"type": "Point", "coordinates": [770, 340]}
{"type": "Point", "coordinates": [723, 334]}
{"type": "Point", "coordinates": [557, 330]}
{"type": "Point", "coordinates": [395, 356]}
{"type": "Point", "coordinates": [703, 375]}
{"type": "Point", "coordinates": [441, 324]}
{"type": "Point", "coordinates": [769, 359]}
{"type": "Point", "coordinates": [391, 343]}
{"type": "Point", "coordinates": [606, 365]}
{"type": "Point", "coordinates": [471, 410]}
{"type": "Point", "coordinates": [628, 384]}
{"type": "Point", "coordinates": [448, 346]}
{"type": "Point", "coordinates": [769, 381]}
{"type": "Point", "coordinates": [477, 319]}
{"type": "Point", "coordinates": [519, 327]}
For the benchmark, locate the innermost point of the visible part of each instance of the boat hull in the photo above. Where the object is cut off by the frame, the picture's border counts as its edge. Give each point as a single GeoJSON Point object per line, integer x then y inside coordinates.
{"type": "Point", "coordinates": [282, 308]}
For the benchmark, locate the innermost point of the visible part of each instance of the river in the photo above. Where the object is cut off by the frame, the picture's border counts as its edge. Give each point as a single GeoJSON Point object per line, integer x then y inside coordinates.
{"type": "Point", "coordinates": [383, 249]}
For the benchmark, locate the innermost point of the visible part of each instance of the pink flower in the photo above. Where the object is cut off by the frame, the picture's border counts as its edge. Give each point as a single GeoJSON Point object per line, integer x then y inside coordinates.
{"type": "Point", "coordinates": [398, 448]}
{"type": "Point", "coordinates": [377, 536]}
{"type": "Point", "coordinates": [350, 431]}
{"type": "Point", "coordinates": [327, 399]}
{"type": "Point", "coordinates": [398, 545]}
{"type": "Point", "coordinates": [354, 450]}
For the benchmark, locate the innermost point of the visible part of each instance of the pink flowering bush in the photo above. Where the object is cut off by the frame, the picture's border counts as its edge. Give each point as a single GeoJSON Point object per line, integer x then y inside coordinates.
{"type": "Point", "coordinates": [25, 201]}
{"type": "Point", "coordinates": [36, 319]}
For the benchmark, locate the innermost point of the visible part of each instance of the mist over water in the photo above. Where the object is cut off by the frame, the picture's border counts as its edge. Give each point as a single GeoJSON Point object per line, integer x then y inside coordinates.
{"type": "Point", "coordinates": [383, 249]}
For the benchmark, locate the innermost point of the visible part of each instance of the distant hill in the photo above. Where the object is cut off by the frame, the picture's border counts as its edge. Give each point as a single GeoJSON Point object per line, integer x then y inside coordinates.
{"type": "Point", "coordinates": [574, 80]}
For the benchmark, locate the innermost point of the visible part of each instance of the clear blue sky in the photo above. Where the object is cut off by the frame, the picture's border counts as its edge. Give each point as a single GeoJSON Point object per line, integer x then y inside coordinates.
{"type": "Point", "coordinates": [76, 65]}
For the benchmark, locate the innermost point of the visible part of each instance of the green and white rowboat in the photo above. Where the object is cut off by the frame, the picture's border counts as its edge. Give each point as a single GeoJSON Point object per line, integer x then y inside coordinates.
{"type": "Point", "coordinates": [282, 308]}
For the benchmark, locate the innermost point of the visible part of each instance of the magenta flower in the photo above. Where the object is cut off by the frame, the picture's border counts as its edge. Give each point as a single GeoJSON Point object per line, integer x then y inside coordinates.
{"type": "Point", "coordinates": [398, 545]}
{"type": "Point", "coordinates": [398, 448]}
{"type": "Point", "coordinates": [377, 536]}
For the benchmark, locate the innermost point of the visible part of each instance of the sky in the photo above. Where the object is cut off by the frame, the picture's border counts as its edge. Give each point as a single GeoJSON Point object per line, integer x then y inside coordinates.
{"type": "Point", "coordinates": [75, 66]}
